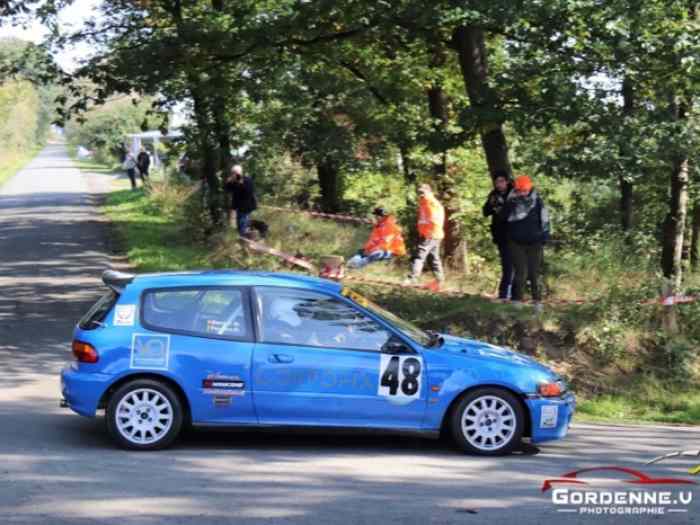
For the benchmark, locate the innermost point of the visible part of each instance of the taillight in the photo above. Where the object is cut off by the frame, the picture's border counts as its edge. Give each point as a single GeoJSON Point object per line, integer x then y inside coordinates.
{"type": "Point", "coordinates": [84, 352]}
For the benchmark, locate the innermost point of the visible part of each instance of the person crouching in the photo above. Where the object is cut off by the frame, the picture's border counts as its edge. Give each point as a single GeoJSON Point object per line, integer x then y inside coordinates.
{"type": "Point", "coordinates": [385, 241]}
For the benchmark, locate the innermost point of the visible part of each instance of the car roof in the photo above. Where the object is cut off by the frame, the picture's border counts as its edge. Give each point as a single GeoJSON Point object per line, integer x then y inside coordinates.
{"type": "Point", "coordinates": [233, 278]}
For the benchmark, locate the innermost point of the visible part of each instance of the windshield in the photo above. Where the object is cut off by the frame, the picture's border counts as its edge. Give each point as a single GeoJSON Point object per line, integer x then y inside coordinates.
{"type": "Point", "coordinates": [406, 328]}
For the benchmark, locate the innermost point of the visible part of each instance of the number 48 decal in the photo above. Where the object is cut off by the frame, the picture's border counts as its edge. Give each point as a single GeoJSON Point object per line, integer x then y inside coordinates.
{"type": "Point", "coordinates": [399, 376]}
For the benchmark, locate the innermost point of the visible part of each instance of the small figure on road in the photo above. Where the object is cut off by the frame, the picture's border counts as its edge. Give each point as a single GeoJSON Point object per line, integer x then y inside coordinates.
{"type": "Point", "coordinates": [495, 208]}
{"type": "Point", "coordinates": [431, 218]}
{"type": "Point", "coordinates": [528, 231]}
{"type": "Point", "coordinates": [385, 241]}
{"type": "Point", "coordinates": [143, 162]}
{"type": "Point", "coordinates": [130, 166]}
{"type": "Point", "coordinates": [243, 199]}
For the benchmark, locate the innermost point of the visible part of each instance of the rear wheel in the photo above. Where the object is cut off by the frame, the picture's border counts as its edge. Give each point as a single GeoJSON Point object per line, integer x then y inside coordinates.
{"type": "Point", "coordinates": [144, 415]}
{"type": "Point", "coordinates": [488, 422]}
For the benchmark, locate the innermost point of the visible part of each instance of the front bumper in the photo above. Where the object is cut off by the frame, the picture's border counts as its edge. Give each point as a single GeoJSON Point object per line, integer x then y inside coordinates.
{"type": "Point", "coordinates": [81, 391]}
{"type": "Point", "coordinates": [551, 417]}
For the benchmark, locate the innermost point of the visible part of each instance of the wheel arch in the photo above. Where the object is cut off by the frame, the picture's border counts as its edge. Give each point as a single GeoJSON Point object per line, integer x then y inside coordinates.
{"type": "Point", "coordinates": [527, 431]}
{"type": "Point", "coordinates": [104, 400]}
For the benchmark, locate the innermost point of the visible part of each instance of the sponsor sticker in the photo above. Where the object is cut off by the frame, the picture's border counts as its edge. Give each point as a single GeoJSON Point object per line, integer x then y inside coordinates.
{"type": "Point", "coordinates": [549, 416]}
{"type": "Point", "coordinates": [220, 385]}
{"type": "Point", "coordinates": [124, 315]}
{"type": "Point", "coordinates": [150, 351]}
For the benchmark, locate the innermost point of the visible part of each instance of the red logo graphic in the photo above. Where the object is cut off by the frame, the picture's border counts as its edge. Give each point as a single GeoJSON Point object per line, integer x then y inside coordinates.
{"type": "Point", "coordinates": [635, 477]}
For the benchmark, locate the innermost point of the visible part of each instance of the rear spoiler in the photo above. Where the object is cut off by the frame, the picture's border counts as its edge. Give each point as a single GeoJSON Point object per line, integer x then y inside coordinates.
{"type": "Point", "coordinates": [117, 281]}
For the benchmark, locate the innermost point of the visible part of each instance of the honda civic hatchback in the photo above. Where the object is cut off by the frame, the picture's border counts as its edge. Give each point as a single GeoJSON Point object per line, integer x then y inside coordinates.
{"type": "Point", "coordinates": [251, 349]}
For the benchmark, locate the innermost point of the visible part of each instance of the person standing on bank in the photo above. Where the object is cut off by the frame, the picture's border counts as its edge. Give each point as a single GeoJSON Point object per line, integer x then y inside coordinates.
{"type": "Point", "coordinates": [431, 219]}
{"type": "Point", "coordinates": [528, 231]}
{"type": "Point", "coordinates": [243, 199]}
{"type": "Point", "coordinates": [130, 166]}
{"type": "Point", "coordinates": [143, 162]}
{"type": "Point", "coordinates": [494, 208]}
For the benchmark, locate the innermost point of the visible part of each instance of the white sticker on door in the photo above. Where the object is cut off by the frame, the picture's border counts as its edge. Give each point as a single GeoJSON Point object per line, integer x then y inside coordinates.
{"type": "Point", "coordinates": [549, 416]}
{"type": "Point", "coordinates": [400, 376]}
{"type": "Point", "coordinates": [124, 315]}
{"type": "Point", "coordinates": [150, 351]}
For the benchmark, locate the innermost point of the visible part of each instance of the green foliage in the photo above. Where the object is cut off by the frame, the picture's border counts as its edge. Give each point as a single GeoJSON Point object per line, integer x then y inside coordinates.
{"type": "Point", "coordinates": [25, 109]}
{"type": "Point", "coordinates": [104, 128]}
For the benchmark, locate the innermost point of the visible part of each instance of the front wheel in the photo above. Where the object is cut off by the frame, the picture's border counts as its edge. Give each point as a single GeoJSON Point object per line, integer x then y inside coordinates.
{"type": "Point", "coordinates": [488, 422]}
{"type": "Point", "coordinates": [144, 415]}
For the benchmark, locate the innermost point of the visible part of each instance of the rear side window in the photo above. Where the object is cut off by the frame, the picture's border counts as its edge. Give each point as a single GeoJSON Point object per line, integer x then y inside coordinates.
{"type": "Point", "coordinates": [96, 315]}
{"type": "Point", "coordinates": [204, 312]}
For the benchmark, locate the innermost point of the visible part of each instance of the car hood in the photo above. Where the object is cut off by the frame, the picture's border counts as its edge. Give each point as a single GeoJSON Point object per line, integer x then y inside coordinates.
{"type": "Point", "coordinates": [480, 350]}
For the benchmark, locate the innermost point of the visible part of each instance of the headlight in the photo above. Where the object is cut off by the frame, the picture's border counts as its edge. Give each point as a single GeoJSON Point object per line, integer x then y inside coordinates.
{"type": "Point", "coordinates": [554, 389]}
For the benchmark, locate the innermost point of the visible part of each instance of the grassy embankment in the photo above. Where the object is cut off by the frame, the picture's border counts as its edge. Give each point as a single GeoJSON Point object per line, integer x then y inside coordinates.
{"type": "Point", "coordinates": [616, 367]}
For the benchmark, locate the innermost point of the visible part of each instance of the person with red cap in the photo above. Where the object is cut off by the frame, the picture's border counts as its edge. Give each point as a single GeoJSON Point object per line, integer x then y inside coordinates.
{"type": "Point", "coordinates": [528, 230]}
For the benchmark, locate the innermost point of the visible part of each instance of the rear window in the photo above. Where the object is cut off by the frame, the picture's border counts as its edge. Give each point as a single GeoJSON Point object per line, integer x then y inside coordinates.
{"type": "Point", "coordinates": [96, 315]}
{"type": "Point", "coordinates": [204, 312]}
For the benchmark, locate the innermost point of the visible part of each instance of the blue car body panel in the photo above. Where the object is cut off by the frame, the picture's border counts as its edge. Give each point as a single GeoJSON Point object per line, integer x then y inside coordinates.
{"type": "Point", "coordinates": [249, 382]}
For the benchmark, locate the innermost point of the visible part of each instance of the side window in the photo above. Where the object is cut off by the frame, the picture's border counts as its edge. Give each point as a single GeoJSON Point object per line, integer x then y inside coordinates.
{"type": "Point", "coordinates": [208, 312]}
{"type": "Point", "coordinates": [306, 318]}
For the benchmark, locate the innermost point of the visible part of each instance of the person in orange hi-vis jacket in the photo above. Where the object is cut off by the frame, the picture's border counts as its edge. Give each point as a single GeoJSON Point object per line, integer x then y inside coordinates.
{"type": "Point", "coordinates": [431, 219]}
{"type": "Point", "coordinates": [385, 241]}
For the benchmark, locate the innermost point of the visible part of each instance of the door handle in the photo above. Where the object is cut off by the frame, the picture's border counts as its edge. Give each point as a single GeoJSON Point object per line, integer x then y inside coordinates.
{"type": "Point", "coordinates": [280, 358]}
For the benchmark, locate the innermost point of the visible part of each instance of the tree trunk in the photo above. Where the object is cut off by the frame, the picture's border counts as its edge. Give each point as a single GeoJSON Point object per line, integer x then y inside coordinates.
{"type": "Point", "coordinates": [330, 183]}
{"type": "Point", "coordinates": [223, 136]}
{"type": "Point", "coordinates": [626, 188]}
{"type": "Point", "coordinates": [408, 175]}
{"type": "Point", "coordinates": [674, 227]}
{"type": "Point", "coordinates": [207, 154]}
{"type": "Point", "coordinates": [626, 203]}
{"type": "Point", "coordinates": [626, 185]}
{"type": "Point", "coordinates": [471, 49]}
{"type": "Point", "coordinates": [695, 239]}
{"type": "Point", "coordinates": [674, 231]}
{"type": "Point", "coordinates": [437, 104]}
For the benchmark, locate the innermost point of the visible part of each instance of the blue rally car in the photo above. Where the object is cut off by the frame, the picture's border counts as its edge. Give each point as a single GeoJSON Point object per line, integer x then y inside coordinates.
{"type": "Point", "coordinates": [226, 348]}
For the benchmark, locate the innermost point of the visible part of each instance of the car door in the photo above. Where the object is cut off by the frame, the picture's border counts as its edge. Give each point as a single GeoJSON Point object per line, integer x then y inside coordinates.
{"type": "Point", "coordinates": [209, 333]}
{"type": "Point", "coordinates": [319, 361]}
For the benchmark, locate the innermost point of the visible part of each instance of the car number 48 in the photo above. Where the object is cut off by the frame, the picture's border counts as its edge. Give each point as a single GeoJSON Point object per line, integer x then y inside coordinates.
{"type": "Point", "coordinates": [400, 376]}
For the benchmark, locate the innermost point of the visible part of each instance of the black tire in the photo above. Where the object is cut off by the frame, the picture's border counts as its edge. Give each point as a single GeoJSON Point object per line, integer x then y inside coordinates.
{"type": "Point", "coordinates": [159, 441]}
{"type": "Point", "coordinates": [513, 433]}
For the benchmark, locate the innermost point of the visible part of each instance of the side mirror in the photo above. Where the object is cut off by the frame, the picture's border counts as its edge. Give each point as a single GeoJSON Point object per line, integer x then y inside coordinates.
{"type": "Point", "coordinates": [395, 347]}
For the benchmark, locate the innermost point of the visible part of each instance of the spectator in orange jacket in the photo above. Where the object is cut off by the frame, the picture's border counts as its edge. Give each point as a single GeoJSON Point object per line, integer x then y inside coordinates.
{"type": "Point", "coordinates": [431, 218]}
{"type": "Point", "coordinates": [385, 241]}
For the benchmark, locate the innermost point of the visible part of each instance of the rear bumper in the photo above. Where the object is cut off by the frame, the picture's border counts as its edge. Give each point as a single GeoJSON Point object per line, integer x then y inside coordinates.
{"type": "Point", "coordinates": [551, 417]}
{"type": "Point", "coordinates": [81, 391]}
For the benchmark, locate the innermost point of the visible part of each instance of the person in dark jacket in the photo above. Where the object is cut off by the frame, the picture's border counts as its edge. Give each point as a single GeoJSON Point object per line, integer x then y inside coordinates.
{"type": "Point", "coordinates": [242, 198]}
{"type": "Point", "coordinates": [494, 208]}
{"type": "Point", "coordinates": [528, 230]}
{"type": "Point", "coordinates": [143, 161]}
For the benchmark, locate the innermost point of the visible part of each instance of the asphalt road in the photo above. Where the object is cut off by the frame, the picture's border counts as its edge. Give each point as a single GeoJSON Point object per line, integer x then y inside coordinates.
{"type": "Point", "coordinates": [57, 467]}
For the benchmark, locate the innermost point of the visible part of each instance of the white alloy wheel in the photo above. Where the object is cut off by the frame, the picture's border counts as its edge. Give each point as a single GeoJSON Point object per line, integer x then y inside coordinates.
{"type": "Point", "coordinates": [488, 423]}
{"type": "Point", "coordinates": [144, 416]}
